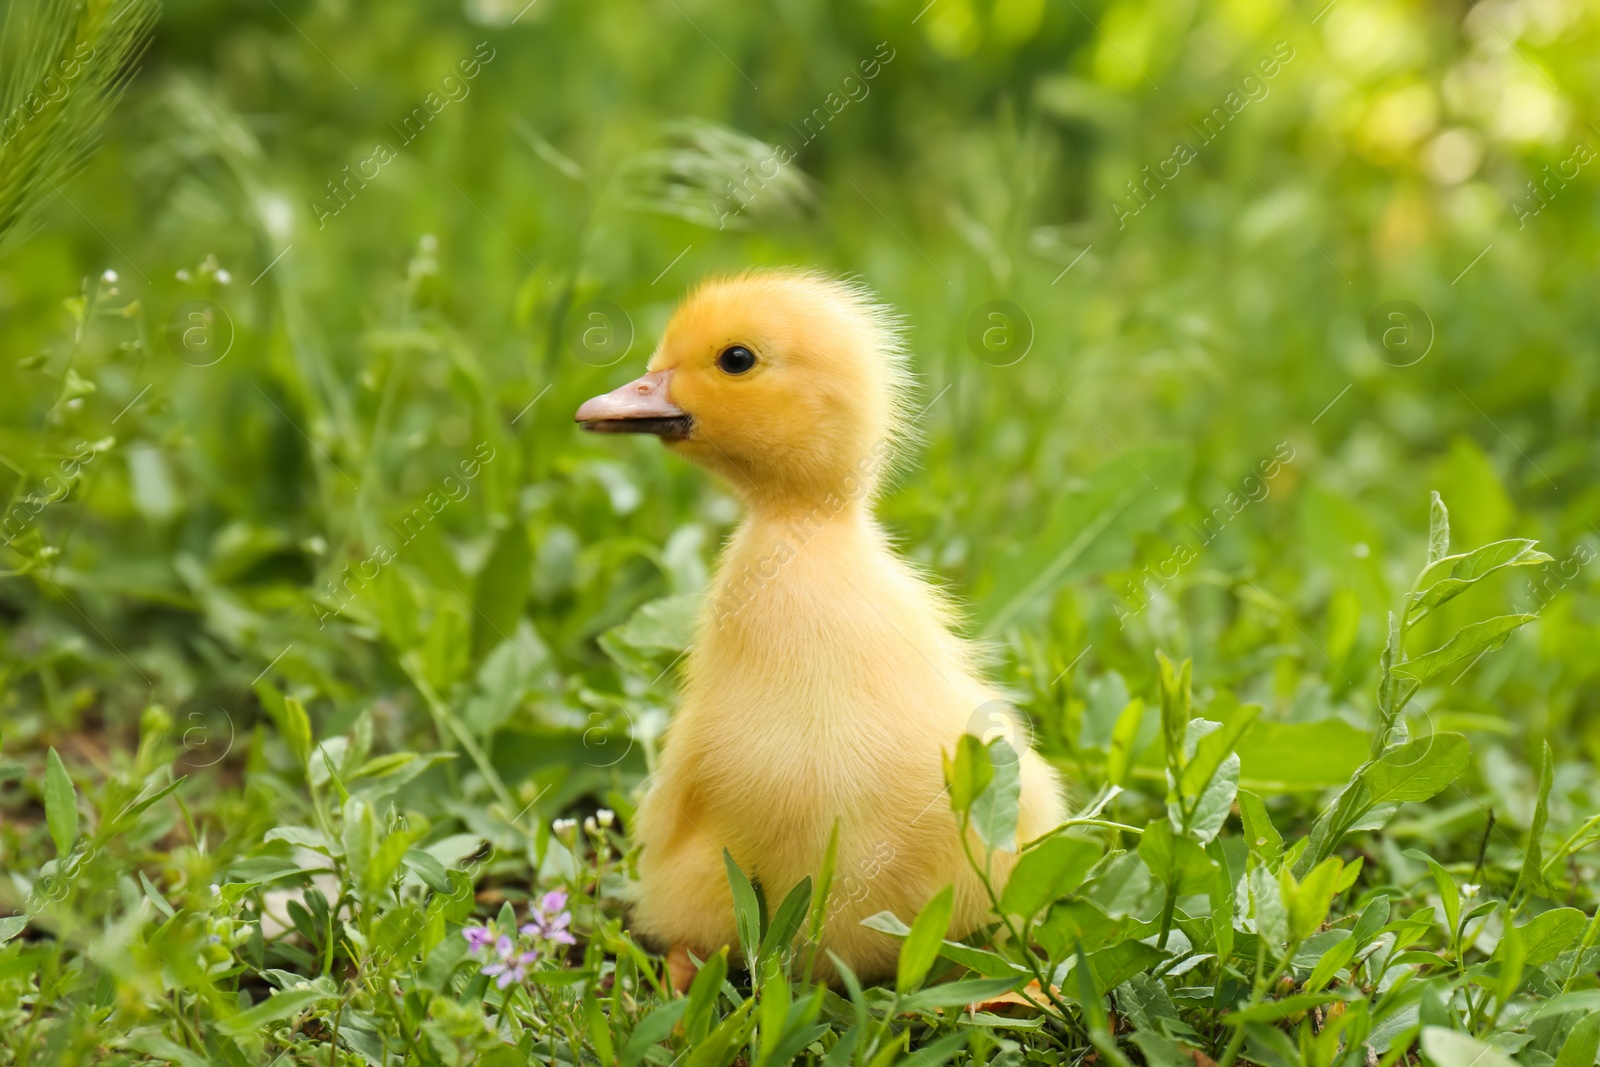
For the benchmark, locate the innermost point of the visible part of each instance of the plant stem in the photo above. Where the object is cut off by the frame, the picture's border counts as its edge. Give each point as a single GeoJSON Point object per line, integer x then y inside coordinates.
{"type": "Point", "coordinates": [1236, 1042]}
{"type": "Point", "coordinates": [994, 901]}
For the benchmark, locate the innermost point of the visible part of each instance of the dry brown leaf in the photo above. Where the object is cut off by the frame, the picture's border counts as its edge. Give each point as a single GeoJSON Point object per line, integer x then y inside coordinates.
{"type": "Point", "coordinates": [1016, 997]}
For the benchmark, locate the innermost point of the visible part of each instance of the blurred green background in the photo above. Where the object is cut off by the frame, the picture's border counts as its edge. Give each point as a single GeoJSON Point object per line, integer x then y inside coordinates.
{"type": "Point", "coordinates": [291, 358]}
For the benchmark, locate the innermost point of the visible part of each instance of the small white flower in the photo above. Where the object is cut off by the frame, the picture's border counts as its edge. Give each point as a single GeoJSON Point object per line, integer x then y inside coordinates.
{"type": "Point", "coordinates": [1469, 890]}
{"type": "Point", "coordinates": [108, 276]}
{"type": "Point", "coordinates": [563, 829]}
{"type": "Point", "coordinates": [591, 827]}
{"type": "Point", "coordinates": [223, 277]}
{"type": "Point", "coordinates": [606, 817]}
{"type": "Point", "coordinates": [183, 275]}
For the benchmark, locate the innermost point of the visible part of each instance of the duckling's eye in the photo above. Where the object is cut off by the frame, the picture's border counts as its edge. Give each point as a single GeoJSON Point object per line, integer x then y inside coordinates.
{"type": "Point", "coordinates": [736, 359]}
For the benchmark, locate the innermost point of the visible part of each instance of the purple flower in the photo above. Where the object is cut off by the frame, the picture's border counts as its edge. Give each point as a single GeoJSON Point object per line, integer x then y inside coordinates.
{"type": "Point", "coordinates": [510, 967]}
{"type": "Point", "coordinates": [548, 920]}
{"type": "Point", "coordinates": [478, 937]}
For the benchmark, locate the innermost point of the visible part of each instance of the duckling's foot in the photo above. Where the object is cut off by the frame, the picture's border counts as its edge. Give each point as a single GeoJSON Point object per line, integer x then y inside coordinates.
{"type": "Point", "coordinates": [680, 968]}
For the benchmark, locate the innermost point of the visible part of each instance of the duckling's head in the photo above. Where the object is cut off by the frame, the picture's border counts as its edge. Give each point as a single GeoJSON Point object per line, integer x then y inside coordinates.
{"type": "Point", "coordinates": [792, 385]}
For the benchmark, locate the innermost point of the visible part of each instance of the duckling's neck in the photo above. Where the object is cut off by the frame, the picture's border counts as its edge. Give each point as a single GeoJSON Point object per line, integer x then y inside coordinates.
{"type": "Point", "coordinates": [780, 540]}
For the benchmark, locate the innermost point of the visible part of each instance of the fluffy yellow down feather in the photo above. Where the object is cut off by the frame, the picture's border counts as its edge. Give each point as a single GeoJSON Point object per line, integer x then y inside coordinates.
{"type": "Point", "coordinates": [824, 681]}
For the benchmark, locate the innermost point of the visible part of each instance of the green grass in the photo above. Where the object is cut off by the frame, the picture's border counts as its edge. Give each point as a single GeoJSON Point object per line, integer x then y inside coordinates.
{"type": "Point", "coordinates": [319, 620]}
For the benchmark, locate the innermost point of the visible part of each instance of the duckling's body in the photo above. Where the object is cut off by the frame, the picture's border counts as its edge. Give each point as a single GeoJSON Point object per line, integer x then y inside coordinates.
{"type": "Point", "coordinates": [824, 683]}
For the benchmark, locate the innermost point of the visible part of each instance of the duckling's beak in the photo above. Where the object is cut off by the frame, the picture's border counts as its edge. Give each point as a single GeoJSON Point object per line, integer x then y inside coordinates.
{"type": "Point", "coordinates": [641, 406]}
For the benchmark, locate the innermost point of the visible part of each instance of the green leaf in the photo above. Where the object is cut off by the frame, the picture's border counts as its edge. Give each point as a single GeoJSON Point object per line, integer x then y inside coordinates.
{"type": "Point", "coordinates": [651, 1031]}
{"type": "Point", "coordinates": [1209, 781]}
{"type": "Point", "coordinates": [1472, 641]}
{"type": "Point", "coordinates": [282, 1005]}
{"type": "Point", "coordinates": [994, 810]}
{"type": "Point", "coordinates": [1512, 955]}
{"type": "Point", "coordinates": [797, 1030]}
{"type": "Point", "coordinates": [1124, 735]}
{"type": "Point", "coordinates": [303, 836]}
{"type": "Point", "coordinates": [979, 960]}
{"type": "Point", "coordinates": [1072, 924]}
{"type": "Point", "coordinates": [501, 589]}
{"type": "Point", "coordinates": [1273, 1010]}
{"type": "Point", "coordinates": [446, 646]}
{"type": "Point", "coordinates": [1330, 964]}
{"type": "Point", "coordinates": [1211, 808]}
{"type": "Point", "coordinates": [922, 944]}
{"type": "Point", "coordinates": [1532, 876]}
{"type": "Point", "coordinates": [746, 909]}
{"type": "Point", "coordinates": [357, 836]}
{"type": "Point", "coordinates": [787, 920]}
{"type": "Point", "coordinates": [1438, 529]}
{"type": "Point", "coordinates": [824, 890]}
{"type": "Point", "coordinates": [1110, 967]}
{"type": "Point", "coordinates": [969, 773]}
{"type": "Point", "coordinates": [1289, 757]}
{"type": "Point", "coordinates": [147, 796]}
{"type": "Point", "coordinates": [703, 993]}
{"type": "Point", "coordinates": [719, 1048]}
{"type": "Point", "coordinates": [1372, 921]}
{"type": "Point", "coordinates": [427, 867]}
{"type": "Point", "coordinates": [155, 1044]}
{"type": "Point", "coordinates": [1308, 901]}
{"type": "Point", "coordinates": [1047, 872]}
{"type": "Point", "coordinates": [1449, 894]}
{"type": "Point", "coordinates": [598, 1027]}
{"type": "Point", "coordinates": [153, 895]}
{"type": "Point", "coordinates": [1546, 936]}
{"type": "Point", "coordinates": [936, 1053]}
{"type": "Point", "coordinates": [1178, 863]}
{"type": "Point", "coordinates": [296, 727]}
{"type": "Point", "coordinates": [1449, 577]}
{"type": "Point", "coordinates": [1417, 770]}
{"type": "Point", "coordinates": [1143, 999]}
{"type": "Point", "coordinates": [1175, 712]}
{"type": "Point", "coordinates": [1266, 900]}
{"type": "Point", "coordinates": [989, 964]}
{"type": "Point", "coordinates": [11, 926]}
{"type": "Point", "coordinates": [60, 805]}
{"type": "Point", "coordinates": [1582, 1044]}
{"type": "Point", "coordinates": [1213, 750]}
{"type": "Point", "coordinates": [958, 994]}
{"type": "Point", "coordinates": [1449, 1048]}
{"type": "Point", "coordinates": [1260, 836]}
{"type": "Point", "coordinates": [1222, 902]}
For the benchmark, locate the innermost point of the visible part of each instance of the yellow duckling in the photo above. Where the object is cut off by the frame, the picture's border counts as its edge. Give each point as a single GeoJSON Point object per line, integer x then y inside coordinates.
{"type": "Point", "coordinates": [824, 681]}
